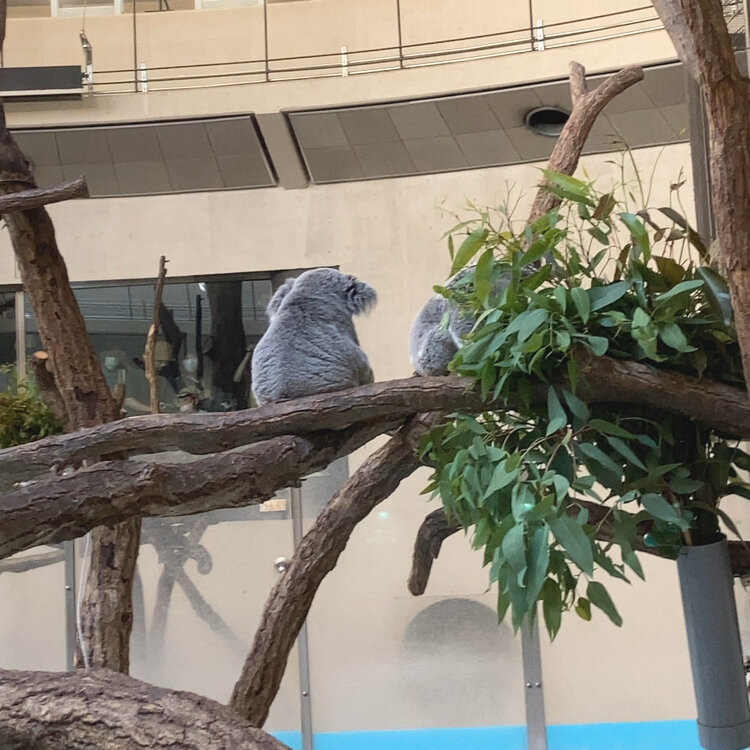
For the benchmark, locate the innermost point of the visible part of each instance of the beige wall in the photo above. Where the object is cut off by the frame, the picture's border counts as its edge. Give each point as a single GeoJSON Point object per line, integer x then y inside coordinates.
{"type": "Point", "coordinates": [191, 38]}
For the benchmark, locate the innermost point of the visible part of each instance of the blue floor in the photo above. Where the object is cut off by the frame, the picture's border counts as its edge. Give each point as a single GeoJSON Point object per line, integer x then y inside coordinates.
{"type": "Point", "coordinates": [650, 735]}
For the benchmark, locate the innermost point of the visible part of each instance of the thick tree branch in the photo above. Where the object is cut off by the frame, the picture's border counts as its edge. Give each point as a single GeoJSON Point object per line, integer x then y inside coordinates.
{"type": "Point", "coordinates": [99, 709]}
{"type": "Point", "coordinates": [37, 197]}
{"type": "Point", "coordinates": [601, 380]}
{"type": "Point", "coordinates": [586, 108]}
{"type": "Point", "coordinates": [110, 492]}
{"type": "Point", "coordinates": [288, 604]}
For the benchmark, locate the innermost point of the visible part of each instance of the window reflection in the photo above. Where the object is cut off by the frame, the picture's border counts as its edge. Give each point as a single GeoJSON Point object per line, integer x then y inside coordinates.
{"type": "Point", "coordinates": [207, 331]}
{"type": "Point", "coordinates": [7, 332]}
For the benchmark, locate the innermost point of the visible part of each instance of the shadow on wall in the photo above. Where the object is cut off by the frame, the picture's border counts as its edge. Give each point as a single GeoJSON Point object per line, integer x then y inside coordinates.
{"type": "Point", "coordinates": [463, 668]}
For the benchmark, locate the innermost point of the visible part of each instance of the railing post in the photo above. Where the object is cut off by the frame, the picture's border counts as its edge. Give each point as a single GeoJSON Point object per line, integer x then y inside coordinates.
{"type": "Point", "coordinates": [344, 61]}
{"type": "Point", "coordinates": [400, 39]}
{"type": "Point", "coordinates": [539, 35]}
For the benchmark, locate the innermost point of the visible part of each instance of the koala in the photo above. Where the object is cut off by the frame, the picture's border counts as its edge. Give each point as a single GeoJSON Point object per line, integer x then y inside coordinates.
{"type": "Point", "coordinates": [438, 330]}
{"type": "Point", "coordinates": [311, 345]}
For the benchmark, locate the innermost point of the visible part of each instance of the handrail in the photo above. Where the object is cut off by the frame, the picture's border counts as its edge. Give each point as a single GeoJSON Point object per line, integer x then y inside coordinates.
{"type": "Point", "coordinates": [393, 57]}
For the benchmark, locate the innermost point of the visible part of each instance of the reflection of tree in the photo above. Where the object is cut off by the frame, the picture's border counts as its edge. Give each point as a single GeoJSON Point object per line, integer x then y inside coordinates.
{"type": "Point", "coordinates": [228, 344]}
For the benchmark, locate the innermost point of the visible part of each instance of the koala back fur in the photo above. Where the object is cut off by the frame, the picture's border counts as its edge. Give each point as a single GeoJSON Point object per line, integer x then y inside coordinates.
{"type": "Point", "coordinates": [311, 345]}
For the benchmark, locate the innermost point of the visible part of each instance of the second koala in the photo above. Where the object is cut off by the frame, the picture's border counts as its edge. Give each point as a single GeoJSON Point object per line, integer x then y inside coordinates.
{"type": "Point", "coordinates": [311, 345]}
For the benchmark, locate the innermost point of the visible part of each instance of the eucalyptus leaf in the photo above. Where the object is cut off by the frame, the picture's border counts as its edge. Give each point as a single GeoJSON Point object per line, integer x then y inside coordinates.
{"type": "Point", "coordinates": [573, 539]}
{"type": "Point", "coordinates": [599, 597]}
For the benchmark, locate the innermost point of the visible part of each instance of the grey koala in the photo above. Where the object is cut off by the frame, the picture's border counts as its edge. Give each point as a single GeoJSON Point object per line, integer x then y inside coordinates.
{"type": "Point", "coordinates": [311, 345]}
{"type": "Point", "coordinates": [438, 330]}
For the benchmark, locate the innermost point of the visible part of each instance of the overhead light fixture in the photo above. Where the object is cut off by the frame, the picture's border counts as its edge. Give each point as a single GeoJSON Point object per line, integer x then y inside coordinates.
{"type": "Point", "coordinates": [547, 121]}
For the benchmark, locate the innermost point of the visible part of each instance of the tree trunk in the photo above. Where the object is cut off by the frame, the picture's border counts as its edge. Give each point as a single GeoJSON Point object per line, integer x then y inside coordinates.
{"type": "Point", "coordinates": [86, 399]}
{"type": "Point", "coordinates": [291, 598]}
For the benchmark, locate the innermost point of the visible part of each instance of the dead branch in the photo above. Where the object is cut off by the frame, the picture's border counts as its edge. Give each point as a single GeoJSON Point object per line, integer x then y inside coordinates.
{"type": "Point", "coordinates": [37, 197]}
{"type": "Point", "coordinates": [90, 710]}
{"type": "Point", "coordinates": [32, 562]}
{"type": "Point", "coordinates": [110, 492]}
{"type": "Point", "coordinates": [601, 380]}
{"type": "Point", "coordinates": [148, 353]}
{"type": "Point", "coordinates": [586, 108]}
{"type": "Point", "coordinates": [288, 604]}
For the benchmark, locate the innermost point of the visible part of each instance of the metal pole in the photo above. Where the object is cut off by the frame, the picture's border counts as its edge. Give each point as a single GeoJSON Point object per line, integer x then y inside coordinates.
{"type": "Point", "coordinates": [400, 39]}
{"type": "Point", "coordinates": [135, 49]}
{"type": "Point", "coordinates": [536, 726]}
{"type": "Point", "coordinates": [302, 639]}
{"type": "Point", "coordinates": [699, 155]}
{"type": "Point", "coordinates": [20, 337]}
{"type": "Point", "coordinates": [70, 603]}
{"type": "Point", "coordinates": [532, 38]}
{"type": "Point", "coordinates": [265, 39]}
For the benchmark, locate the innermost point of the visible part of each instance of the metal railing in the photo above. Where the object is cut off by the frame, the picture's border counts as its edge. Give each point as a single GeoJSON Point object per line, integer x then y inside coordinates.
{"type": "Point", "coordinates": [345, 61]}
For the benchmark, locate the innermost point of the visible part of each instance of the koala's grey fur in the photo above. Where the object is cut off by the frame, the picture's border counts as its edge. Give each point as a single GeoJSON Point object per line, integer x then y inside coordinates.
{"type": "Point", "coordinates": [311, 345]}
{"type": "Point", "coordinates": [278, 297]}
{"type": "Point", "coordinates": [439, 328]}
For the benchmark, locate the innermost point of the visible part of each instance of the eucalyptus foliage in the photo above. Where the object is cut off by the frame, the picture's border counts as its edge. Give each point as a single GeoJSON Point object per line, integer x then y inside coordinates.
{"type": "Point", "coordinates": [24, 416]}
{"type": "Point", "coordinates": [588, 278]}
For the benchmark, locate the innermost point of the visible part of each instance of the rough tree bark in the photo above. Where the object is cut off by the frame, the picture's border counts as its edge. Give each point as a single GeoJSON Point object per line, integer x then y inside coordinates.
{"type": "Point", "coordinates": [291, 598]}
{"type": "Point", "coordinates": [394, 401]}
{"type": "Point", "coordinates": [103, 709]}
{"type": "Point", "coordinates": [106, 611]}
{"type": "Point", "coordinates": [699, 33]}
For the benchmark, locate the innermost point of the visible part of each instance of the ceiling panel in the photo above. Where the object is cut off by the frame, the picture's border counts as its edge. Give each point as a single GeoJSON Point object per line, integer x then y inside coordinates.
{"type": "Point", "coordinates": [436, 154]}
{"type": "Point", "coordinates": [488, 149]}
{"type": "Point", "coordinates": [384, 159]}
{"type": "Point", "coordinates": [367, 126]}
{"type": "Point", "coordinates": [319, 130]}
{"type": "Point", "coordinates": [212, 154]}
{"type": "Point", "coordinates": [467, 114]}
{"type": "Point", "coordinates": [419, 120]}
{"type": "Point", "coordinates": [333, 164]}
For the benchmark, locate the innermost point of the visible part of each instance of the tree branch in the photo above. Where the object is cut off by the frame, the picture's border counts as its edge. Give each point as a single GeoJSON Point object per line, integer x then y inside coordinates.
{"type": "Point", "coordinates": [586, 108]}
{"type": "Point", "coordinates": [102, 709]}
{"type": "Point", "coordinates": [37, 197]}
{"type": "Point", "coordinates": [601, 380]}
{"type": "Point", "coordinates": [288, 604]}
{"type": "Point", "coordinates": [436, 528]}
{"type": "Point", "coordinates": [110, 492]}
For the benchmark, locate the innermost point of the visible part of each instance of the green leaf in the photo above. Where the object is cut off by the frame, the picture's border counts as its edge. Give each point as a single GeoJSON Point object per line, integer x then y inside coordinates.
{"type": "Point", "coordinates": [532, 322]}
{"type": "Point", "coordinates": [597, 344]}
{"type": "Point", "coordinates": [638, 231]}
{"type": "Point", "coordinates": [572, 538]}
{"type": "Point", "coordinates": [608, 428]}
{"type": "Point", "coordinates": [581, 301]}
{"type": "Point", "coordinates": [469, 248]}
{"type": "Point", "coordinates": [555, 410]}
{"type": "Point", "coordinates": [538, 563]}
{"type": "Point", "coordinates": [604, 207]}
{"type": "Point", "coordinates": [583, 608]}
{"type": "Point", "coordinates": [563, 340]}
{"type": "Point", "coordinates": [717, 293]}
{"type": "Point", "coordinates": [626, 451]}
{"type": "Point", "coordinates": [575, 404]}
{"type": "Point", "coordinates": [598, 455]}
{"type": "Point", "coordinates": [552, 607]}
{"type": "Point", "coordinates": [685, 486]}
{"type": "Point", "coordinates": [483, 276]}
{"type": "Point", "coordinates": [602, 296]}
{"type": "Point", "coordinates": [502, 476]}
{"type": "Point", "coordinates": [534, 253]}
{"type": "Point", "coordinates": [659, 507]}
{"type": "Point", "coordinates": [673, 336]}
{"type": "Point", "coordinates": [669, 268]}
{"type": "Point", "coordinates": [514, 549]}
{"type": "Point", "coordinates": [684, 287]}
{"type": "Point", "coordinates": [599, 597]}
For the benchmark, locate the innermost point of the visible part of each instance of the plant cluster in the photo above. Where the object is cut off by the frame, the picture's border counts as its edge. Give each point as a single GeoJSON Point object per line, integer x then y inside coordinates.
{"type": "Point", "coordinates": [584, 280]}
{"type": "Point", "coordinates": [24, 416]}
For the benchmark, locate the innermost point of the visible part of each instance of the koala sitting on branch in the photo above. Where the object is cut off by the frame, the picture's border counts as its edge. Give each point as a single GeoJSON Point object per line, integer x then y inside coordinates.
{"type": "Point", "coordinates": [311, 345]}
{"type": "Point", "coordinates": [440, 326]}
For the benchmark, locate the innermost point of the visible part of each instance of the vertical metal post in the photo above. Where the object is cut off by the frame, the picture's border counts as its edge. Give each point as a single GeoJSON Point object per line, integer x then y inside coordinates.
{"type": "Point", "coordinates": [344, 61]}
{"type": "Point", "coordinates": [699, 155]}
{"type": "Point", "coordinates": [539, 34]}
{"type": "Point", "coordinates": [20, 336]}
{"type": "Point", "coordinates": [531, 25]}
{"type": "Point", "coordinates": [400, 38]}
{"type": "Point", "coordinates": [70, 603]}
{"type": "Point", "coordinates": [536, 726]}
{"type": "Point", "coordinates": [135, 49]}
{"type": "Point", "coordinates": [302, 639]}
{"type": "Point", "coordinates": [265, 40]}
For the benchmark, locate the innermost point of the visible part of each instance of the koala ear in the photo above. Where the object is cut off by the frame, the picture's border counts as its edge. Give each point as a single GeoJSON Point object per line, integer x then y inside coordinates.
{"type": "Point", "coordinates": [359, 297]}
{"type": "Point", "coordinates": [278, 297]}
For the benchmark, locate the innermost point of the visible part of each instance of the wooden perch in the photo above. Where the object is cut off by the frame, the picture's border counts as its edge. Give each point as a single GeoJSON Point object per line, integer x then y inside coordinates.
{"type": "Point", "coordinates": [37, 197]}
{"type": "Point", "coordinates": [601, 380]}
{"type": "Point", "coordinates": [89, 710]}
{"type": "Point", "coordinates": [586, 108]}
{"type": "Point", "coordinates": [317, 554]}
{"type": "Point", "coordinates": [61, 508]}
